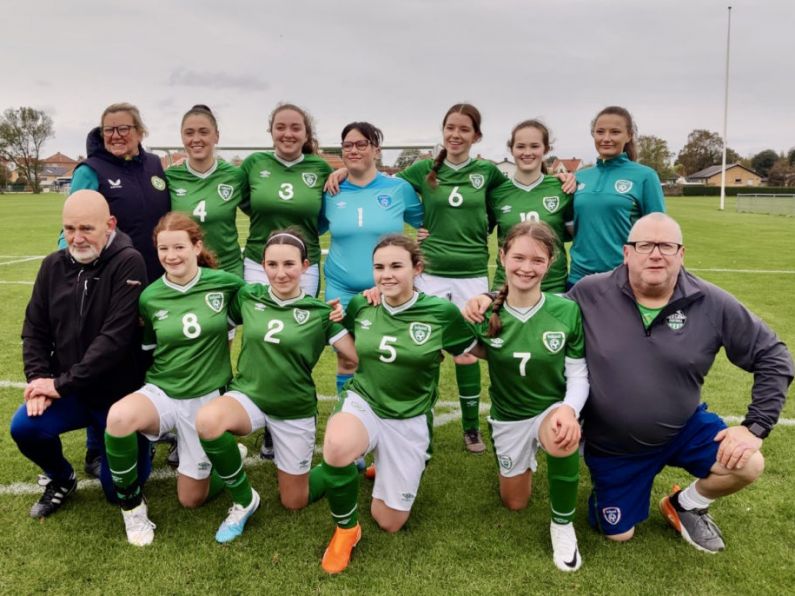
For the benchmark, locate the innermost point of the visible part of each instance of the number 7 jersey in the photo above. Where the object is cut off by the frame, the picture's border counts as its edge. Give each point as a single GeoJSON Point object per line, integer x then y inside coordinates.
{"type": "Point", "coordinates": [399, 351]}
{"type": "Point", "coordinates": [187, 327]}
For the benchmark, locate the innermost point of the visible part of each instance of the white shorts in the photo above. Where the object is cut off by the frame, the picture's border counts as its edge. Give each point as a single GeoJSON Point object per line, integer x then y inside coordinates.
{"type": "Point", "coordinates": [400, 449]}
{"type": "Point", "coordinates": [180, 415]}
{"type": "Point", "coordinates": [516, 442]}
{"type": "Point", "coordinates": [456, 290]}
{"type": "Point", "coordinates": [293, 440]}
{"type": "Point", "coordinates": [254, 272]}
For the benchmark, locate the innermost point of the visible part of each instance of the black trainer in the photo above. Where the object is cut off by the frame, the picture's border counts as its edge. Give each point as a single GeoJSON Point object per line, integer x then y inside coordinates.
{"type": "Point", "coordinates": [55, 493]}
{"type": "Point", "coordinates": [266, 451]}
{"type": "Point", "coordinates": [93, 463]}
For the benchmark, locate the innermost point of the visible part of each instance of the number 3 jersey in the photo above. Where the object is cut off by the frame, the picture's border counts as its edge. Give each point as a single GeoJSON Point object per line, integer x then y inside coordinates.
{"type": "Point", "coordinates": [527, 359]}
{"type": "Point", "coordinates": [399, 351]}
{"type": "Point", "coordinates": [283, 194]}
{"type": "Point", "coordinates": [282, 342]}
{"type": "Point", "coordinates": [187, 327]}
{"type": "Point", "coordinates": [211, 198]}
{"type": "Point", "coordinates": [455, 215]}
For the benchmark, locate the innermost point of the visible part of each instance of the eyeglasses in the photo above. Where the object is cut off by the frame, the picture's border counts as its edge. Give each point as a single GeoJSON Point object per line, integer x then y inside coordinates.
{"type": "Point", "coordinates": [360, 145]}
{"type": "Point", "coordinates": [645, 247]}
{"type": "Point", "coordinates": [122, 130]}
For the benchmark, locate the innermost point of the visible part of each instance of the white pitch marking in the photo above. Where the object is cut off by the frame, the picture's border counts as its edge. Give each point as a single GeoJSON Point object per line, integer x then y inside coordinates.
{"type": "Point", "coordinates": [25, 260]}
{"type": "Point", "coordinates": [774, 271]}
{"type": "Point", "coordinates": [12, 385]}
{"type": "Point", "coordinates": [16, 283]}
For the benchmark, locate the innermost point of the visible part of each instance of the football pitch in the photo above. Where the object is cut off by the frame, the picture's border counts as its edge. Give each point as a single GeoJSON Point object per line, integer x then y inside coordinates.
{"type": "Point", "coordinates": [459, 538]}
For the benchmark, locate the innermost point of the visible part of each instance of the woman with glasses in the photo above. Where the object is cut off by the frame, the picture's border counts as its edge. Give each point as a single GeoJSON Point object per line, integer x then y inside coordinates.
{"type": "Point", "coordinates": [368, 206]}
{"type": "Point", "coordinates": [611, 196]}
{"type": "Point", "coordinates": [130, 179]}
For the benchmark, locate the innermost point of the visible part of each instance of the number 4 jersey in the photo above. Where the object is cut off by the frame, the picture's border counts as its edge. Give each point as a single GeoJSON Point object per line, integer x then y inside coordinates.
{"type": "Point", "coordinates": [187, 327]}
{"type": "Point", "coordinates": [399, 351]}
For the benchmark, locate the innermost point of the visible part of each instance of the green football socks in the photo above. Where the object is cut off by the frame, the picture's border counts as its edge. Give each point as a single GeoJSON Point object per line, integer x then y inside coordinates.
{"type": "Point", "coordinates": [228, 470]}
{"type": "Point", "coordinates": [564, 476]}
{"type": "Point", "coordinates": [467, 377]}
{"type": "Point", "coordinates": [122, 453]}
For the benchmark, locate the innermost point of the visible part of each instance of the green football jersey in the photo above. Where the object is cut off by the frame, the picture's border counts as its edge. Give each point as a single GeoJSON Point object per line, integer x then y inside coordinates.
{"type": "Point", "coordinates": [284, 194]}
{"type": "Point", "coordinates": [282, 342]}
{"type": "Point", "coordinates": [527, 359]}
{"type": "Point", "coordinates": [513, 203]}
{"type": "Point", "coordinates": [187, 327]}
{"type": "Point", "coordinates": [399, 351]}
{"type": "Point", "coordinates": [455, 215]}
{"type": "Point", "coordinates": [212, 199]}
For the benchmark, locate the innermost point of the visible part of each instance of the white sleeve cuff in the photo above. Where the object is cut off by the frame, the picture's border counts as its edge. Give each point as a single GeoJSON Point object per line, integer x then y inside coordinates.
{"type": "Point", "coordinates": [577, 386]}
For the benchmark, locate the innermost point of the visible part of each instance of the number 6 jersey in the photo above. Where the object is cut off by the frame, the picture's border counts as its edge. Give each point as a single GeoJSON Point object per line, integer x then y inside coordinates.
{"type": "Point", "coordinates": [399, 351]}
{"type": "Point", "coordinates": [187, 327]}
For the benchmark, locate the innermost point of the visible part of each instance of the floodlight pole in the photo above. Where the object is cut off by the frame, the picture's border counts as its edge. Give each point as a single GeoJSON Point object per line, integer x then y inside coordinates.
{"type": "Point", "coordinates": [725, 115]}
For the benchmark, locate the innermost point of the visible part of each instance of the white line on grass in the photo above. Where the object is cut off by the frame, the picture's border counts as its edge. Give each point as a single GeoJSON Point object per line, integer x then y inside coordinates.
{"type": "Point", "coordinates": [775, 271]}
{"type": "Point", "coordinates": [16, 283]}
{"type": "Point", "coordinates": [25, 260]}
{"type": "Point", "coordinates": [12, 385]}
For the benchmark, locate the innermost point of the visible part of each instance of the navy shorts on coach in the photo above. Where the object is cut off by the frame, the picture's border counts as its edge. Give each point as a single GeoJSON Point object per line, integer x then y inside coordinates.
{"type": "Point", "coordinates": [622, 484]}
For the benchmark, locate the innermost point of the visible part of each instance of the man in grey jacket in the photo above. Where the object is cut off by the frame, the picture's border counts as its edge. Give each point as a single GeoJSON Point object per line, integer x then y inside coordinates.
{"type": "Point", "coordinates": [652, 331]}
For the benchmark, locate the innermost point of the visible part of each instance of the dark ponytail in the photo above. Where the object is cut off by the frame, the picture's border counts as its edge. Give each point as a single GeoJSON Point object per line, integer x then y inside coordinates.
{"type": "Point", "coordinates": [467, 109]}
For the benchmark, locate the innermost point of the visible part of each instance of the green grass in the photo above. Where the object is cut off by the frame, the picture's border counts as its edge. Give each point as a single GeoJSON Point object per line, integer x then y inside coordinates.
{"type": "Point", "coordinates": [459, 538]}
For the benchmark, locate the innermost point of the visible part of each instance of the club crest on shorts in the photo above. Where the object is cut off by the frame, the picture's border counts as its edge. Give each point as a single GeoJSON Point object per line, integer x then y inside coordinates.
{"type": "Point", "coordinates": [215, 300]}
{"type": "Point", "coordinates": [180, 192]}
{"type": "Point", "coordinates": [612, 515]}
{"type": "Point", "coordinates": [554, 341]}
{"type": "Point", "coordinates": [158, 183]}
{"type": "Point", "coordinates": [384, 200]}
{"type": "Point", "coordinates": [506, 463]}
{"type": "Point", "coordinates": [225, 191]}
{"type": "Point", "coordinates": [300, 315]}
{"type": "Point", "coordinates": [477, 181]}
{"type": "Point", "coordinates": [551, 204]}
{"type": "Point", "coordinates": [309, 178]}
{"type": "Point", "coordinates": [623, 186]}
{"type": "Point", "coordinates": [420, 332]}
{"type": "Point", "coordinates": [676, 321]}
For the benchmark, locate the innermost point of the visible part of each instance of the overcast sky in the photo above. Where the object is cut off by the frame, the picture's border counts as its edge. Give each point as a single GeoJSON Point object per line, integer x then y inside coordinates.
{"type": "Point", "coordinates": [401, 64]}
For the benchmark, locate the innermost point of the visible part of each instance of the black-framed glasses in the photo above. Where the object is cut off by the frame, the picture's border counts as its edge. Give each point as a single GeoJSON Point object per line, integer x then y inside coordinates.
{"type": "Point", "coordinates": [122, 130]}
{"type": "Point", "coordinates": [645, 247]}
{"type": "Point", "coordinates": [360, 145]}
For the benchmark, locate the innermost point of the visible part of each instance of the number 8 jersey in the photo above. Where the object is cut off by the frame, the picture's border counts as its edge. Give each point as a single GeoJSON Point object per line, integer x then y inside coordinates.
{"type": "Point", "coordinates": [399, 351]}
{"type": "Point", "coordinates": [187, 327]}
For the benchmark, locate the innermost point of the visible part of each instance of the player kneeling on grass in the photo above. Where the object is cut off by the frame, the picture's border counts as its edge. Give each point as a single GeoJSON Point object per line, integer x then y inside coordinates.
{"type": "Point", "coordinates": [284, 333]}
{"type": "Point", "coordinates": [186, 324]}
{"type": "Point", "coordinates": [385, 408]}
{"type": "Point", "coordinates": [533, 342]}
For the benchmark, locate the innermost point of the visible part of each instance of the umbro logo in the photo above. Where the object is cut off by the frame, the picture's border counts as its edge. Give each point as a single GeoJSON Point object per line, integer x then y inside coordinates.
{"type": "Point", "coordinates": [161, 315]}
{"type": "Point", "coordinates": [366, 324]}
{"type": "Point", "coordinates": [341, 204]}
{"type": "Point", "coordinates": [259, 306]}
{"type": "Point", "coordinates": [505, 208]}
{"type": "Point", "coordinates": [264, 174]}
{"type": "Point", "coordinates": [180, 192]}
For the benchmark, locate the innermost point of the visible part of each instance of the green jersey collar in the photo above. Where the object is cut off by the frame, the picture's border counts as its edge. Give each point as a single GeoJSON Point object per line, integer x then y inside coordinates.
{"type": "Point", "coordinates": [528, 187]}
{"type": "Point", "coordinates": [288, 164]}
{"type": "Point", "coordinates": [183, 289]}
{"type": "Point", "coordinates": [202, 175]}
{"type": "Point", "coordinates": [458, 166]}
{"type": "Point", "coordinates": [287, 302]}
{"type": "Point", "coordinates": [525, 315]}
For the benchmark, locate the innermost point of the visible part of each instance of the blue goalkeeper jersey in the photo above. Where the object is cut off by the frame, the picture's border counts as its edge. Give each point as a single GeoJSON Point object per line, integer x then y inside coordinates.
{"type": "Point", "coordinates": [357, 217]}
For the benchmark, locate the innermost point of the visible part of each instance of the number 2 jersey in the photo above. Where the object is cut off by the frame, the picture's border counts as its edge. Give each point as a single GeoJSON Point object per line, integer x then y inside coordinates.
{"type": "Point", "coordinates": [455, 215]}
{"type": "Point", "coordinates": [527, 359]}
{"type": "Point", "coordinates": [399, 351]}
{"type": "Point", "coordinates": [187, 327]}
{"type": "Point", "coordinates": [282, 342]}
{"type": "Point", "coordinates": [212, 199]}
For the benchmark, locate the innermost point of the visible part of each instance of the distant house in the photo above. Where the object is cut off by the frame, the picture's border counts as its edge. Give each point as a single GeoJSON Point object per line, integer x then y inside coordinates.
{"type": "Point", "coordinates": [506, 166]}
{"type": "Point", "coordinates": [736, 175]}
{"type": "Point", "coordinates": [566, 166]}
{"type": "Point", "coordinates": [56, 171]}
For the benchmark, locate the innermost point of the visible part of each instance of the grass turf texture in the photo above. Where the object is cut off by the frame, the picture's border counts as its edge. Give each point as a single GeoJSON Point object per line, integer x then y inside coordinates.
{"type": "Point", "coordinates": [459, 538]}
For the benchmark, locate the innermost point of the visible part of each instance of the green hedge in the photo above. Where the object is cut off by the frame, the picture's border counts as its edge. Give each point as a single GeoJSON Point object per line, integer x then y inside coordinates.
{"type": "Point", "coordinates": [714, 191]}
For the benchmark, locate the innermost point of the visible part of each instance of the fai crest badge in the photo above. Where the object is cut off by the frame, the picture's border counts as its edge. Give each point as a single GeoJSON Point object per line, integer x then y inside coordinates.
{"type": "Point", "coordinates": [477, 180]}
{"type": "Point", "coordinates": [215, 300]}
{"type": "Point", "coordinates": [384, 200]}
{"type": "Point", "coordinates": [612, 515]}
{"type": "Point", "coordinates": [623, 186]}
{"type": "Point", "coordinates": [309, 178]}
{"type": "Point", "coordinates": [225, 191]}
{"type": "Point", "coordinates": [300, 315]}
{"type": "Point", "coordinates": [158, 183]}
{"type": "Point", "coordinates": [676, 321]}
{"type": "Point", "coordinates": [420, 332]}
{"type": "Point", "coordinates": [554, 341]}
{"type": "Point", "coordinates": [506, 463]}
{"type": "Point", "coordinates": [551, 204]}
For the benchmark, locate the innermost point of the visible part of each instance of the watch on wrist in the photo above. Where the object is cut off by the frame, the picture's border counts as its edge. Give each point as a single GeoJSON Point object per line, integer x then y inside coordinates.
{"type": "Point", "coordinates": [757, 429]}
